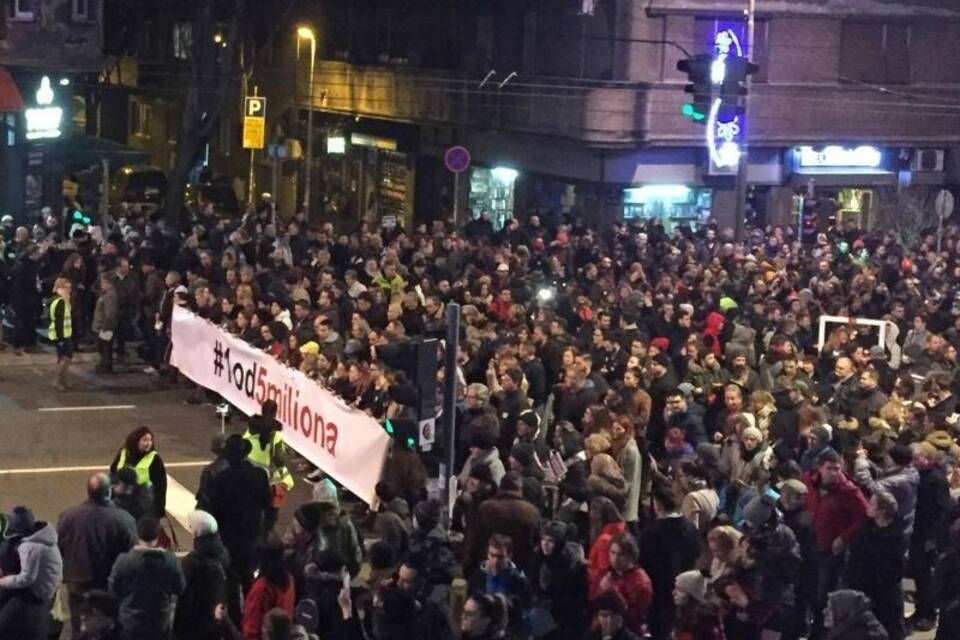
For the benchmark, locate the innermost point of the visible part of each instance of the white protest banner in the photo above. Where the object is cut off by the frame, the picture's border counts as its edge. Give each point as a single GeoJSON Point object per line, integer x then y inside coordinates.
{"type": "Point", "coordinates": [344, 442]}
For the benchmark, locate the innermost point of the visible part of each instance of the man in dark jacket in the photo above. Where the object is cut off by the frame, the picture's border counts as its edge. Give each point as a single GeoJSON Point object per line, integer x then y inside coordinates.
{"type": "Point", "coordinates": [206, 571]}
{"type": "Point", "coordinates": [933, 502]}
{"type": "Point", "coordinates": [558, 576]}
{"type": "Point", "coordinates": [669, 545]}
{"type": "Point", "coordinates": [875, 562]}
{"type": "Point", "coordinates": [25, 298]}
{"type": "Point", "coordinates": [793, 494]}
{"type": "Point", "coordinates": [238, 498]}
{"type": "Point", "coordinates": [509, 514]}
{"type": "Point", "coordinates": [498, 574]}
{"type": "Point", "coordinates": [147, 581]}
{"type": "Point", "coordinates": [91, 536]}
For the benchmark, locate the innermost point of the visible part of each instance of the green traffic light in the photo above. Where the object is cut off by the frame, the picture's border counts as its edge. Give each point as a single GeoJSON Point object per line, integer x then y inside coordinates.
{"type": "Point", "coordinates": [690, 112]}
{"type": "Point", "coordinates": [388, 426]}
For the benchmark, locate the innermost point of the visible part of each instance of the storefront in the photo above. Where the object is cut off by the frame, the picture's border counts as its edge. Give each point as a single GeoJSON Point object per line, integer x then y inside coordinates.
{"type": "Point", "coordinates": [493, 190]}
{"type": "Point", "coordinates": [367, 176]}
{"type": "Point", "coordinates": [838, 185]}
{"type": "Point", "coordinates": [672, 204]}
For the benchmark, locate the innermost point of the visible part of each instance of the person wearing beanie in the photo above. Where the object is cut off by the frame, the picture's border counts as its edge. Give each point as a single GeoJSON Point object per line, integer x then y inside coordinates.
{"type": "Point", "coordinates": [27, 594]}
{"type": "Point", "coordinates": [429, 540]}
{"type": "Point", "coordinates": [206, 570]}
{"type": "Point", "coordinates": [818, 441]}
{"type": "Point", "coordinates": [523, 460]}
{"type": "Point", "coordinates": [238, 497]}
{"type": "Point", "coordinates": [690, 590]}
{"type": "Point", "coordinates": [558, 577]}
{"type": "Point", "coordinates": [483, 450]}
{"type": "Point", "coordinates": [608, 611]}
{"type": "Point", "coordinates": [529, 431]}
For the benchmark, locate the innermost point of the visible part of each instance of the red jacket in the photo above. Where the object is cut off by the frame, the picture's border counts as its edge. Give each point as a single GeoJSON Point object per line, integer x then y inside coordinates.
{"type": "Point", "coordinates": [262, 597]}
{"type": "Point", "coordinates": [838, 513]}
{"type": "Point", "coordinates": [598, 561]}
{"type": "Point", "coordinates": [635, 588]}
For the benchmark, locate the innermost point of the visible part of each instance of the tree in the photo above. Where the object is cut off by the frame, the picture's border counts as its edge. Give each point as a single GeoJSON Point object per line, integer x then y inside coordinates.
{"type": "Point", "coordinates": [908, 212]}
{"type": "Point", "coordinates": [216, 34]}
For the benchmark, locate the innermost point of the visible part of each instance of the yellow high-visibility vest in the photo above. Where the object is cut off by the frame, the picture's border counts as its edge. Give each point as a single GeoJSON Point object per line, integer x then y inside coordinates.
{"type": "Point", "coordinates": [142, 467]}
{"type": "Point", "coordinates": [67, 323]}
{"type": "Point", "coordinates": [264, 458]}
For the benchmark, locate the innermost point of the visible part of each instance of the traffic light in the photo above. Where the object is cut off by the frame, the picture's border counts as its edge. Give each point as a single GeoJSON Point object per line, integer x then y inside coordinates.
{"type": "Point", "coordinates": [733, 84]}
{"type": "Point", "coordinates": [79, 217]}
{"type": "Point", "coordinates": [698, 70]}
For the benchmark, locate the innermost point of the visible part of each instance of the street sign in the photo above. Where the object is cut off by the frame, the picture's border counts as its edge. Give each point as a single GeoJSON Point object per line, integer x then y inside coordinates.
{"type": "Point", "coordinates": [457, 159]}
{"type": "Point", "coordinates": [944, 204]}
{"type": "Point", "coordinates": [254, 122]}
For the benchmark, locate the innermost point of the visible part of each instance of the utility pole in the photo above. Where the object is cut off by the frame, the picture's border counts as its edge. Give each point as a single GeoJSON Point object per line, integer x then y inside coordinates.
{"type": "Point", "coordinates": [744, 164]}
{"type": "Point", "coordinates": [449, 416]}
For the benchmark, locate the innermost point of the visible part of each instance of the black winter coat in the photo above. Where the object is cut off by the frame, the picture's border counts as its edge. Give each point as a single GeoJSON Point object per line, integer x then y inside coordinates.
{"type": "Point", "coordinates": [205, 570]}
{"type": "Point", "coordinates": [559, 584]}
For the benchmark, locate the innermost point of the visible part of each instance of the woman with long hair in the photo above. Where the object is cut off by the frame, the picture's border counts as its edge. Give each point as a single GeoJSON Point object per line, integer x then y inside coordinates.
{"type": "Point", "coordinates": [75, 271]}
{"type": "Point", "coordinates": [139, 453]}
{"type": "Point", "coordinates": [272, 589]}
{"type": "Point", "coordinates": [605, 523]}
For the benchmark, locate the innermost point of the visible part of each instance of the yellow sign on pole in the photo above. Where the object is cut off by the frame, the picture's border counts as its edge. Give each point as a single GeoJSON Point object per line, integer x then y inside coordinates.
{"type": "Point", "coordinates": [254, 122]}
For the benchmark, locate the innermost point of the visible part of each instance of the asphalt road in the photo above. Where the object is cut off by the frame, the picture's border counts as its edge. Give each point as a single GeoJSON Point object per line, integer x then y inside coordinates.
{"type": "Point", "coordinates": [52, 442]}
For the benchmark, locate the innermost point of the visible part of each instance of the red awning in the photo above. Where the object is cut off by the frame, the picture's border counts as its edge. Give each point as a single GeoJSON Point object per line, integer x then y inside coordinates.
{"type": "Point", "coordinates": [10, 98]}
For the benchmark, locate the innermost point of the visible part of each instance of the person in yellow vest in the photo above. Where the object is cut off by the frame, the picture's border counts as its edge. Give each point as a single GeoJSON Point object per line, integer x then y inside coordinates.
{"type": "Point", "coordinates": [139, 453]}
{"type": "Point", "coordinates": [60, 331]}
{"type": "Point", "coordinates": [269, 452]}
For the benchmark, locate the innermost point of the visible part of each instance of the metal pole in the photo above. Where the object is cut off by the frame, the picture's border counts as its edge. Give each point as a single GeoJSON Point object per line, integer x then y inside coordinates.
{"type": "Point", "coordinates": [456, 200]}
{"type": "Point", "coordinates": [309, 163]}
{"type": "Point", "coordinates": [939, 234]}
{"type": "Point", "coordinates": [447, 468]}
{"type": "Point", "coordinates": [252, 178]}
{"type": "Point", "coordinates": [744, 164]}
{"type": "Point", "coordinates": [105, 185]}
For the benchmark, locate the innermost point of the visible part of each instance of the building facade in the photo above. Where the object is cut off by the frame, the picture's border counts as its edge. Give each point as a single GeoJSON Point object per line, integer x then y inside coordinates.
{"type": "Point", "coordinates": [575, 106]}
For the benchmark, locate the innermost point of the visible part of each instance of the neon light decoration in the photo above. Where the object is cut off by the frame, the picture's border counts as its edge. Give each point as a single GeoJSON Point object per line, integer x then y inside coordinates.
{"type": "Point", "coordinates": [723, 135]}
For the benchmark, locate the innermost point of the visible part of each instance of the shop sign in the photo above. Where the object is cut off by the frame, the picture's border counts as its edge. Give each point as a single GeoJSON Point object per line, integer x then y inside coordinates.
{"type": "Point", "coordinates": [364, 140]}
{"type": "Point", "coordinates": [254, 122]}
{"type": "Point", "coordinates": [43, 121]}
{"type": "Point", "coordinates": [862, 157]}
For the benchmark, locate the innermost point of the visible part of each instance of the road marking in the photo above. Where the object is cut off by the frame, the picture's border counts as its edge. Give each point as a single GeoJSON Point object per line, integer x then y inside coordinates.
{"type": "Point", "coordinates": [180, 502]}
{"type": "Point", "coordinates": [107, 407]}
{"type": "Point", "coordinates": [174, 465]}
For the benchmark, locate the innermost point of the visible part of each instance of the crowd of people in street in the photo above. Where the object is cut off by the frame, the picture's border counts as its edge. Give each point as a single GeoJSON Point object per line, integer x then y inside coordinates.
{"type": "Point", "coordinates": [656, 436]}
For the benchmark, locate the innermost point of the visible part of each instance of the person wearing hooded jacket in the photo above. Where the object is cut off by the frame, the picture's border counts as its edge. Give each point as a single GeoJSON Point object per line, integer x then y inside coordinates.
{"type": "Point", "coordinates": [25, 612]}
{"type": "Point", "coordinates": [558, 578]}
{"type": "Point", "coordinates": [848, 617]}
{"type": "Point", "coordinates": [206, 570]}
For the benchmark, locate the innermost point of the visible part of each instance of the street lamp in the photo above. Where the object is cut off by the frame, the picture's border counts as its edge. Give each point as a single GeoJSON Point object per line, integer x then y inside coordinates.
{"type": "Point", "coordinates": [306, 33]}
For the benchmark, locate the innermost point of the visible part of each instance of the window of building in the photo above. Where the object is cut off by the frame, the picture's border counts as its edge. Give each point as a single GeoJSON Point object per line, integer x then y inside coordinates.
{"type": "Point", "coordinates": [20, 9]}
{"type": "Point", "coordinates": [875, 52]}
{"type": "Point", "coordinates": [182, 40]}
{"type": "Point", "coordinates": [82, 10]}
{"type": "Point", "coordinates": [140, 114]}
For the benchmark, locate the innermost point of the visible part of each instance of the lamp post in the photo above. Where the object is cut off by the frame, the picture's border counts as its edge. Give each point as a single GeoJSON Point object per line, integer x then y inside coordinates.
{"type": "Point", "coordinates": [306, 33]}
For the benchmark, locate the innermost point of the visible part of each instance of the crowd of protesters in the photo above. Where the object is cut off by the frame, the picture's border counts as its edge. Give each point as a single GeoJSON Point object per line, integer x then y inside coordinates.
{"type": "Point", "coordinates": [651, 437]}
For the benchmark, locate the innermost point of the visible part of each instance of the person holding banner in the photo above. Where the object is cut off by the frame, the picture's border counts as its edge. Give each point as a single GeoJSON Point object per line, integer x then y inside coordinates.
{"type": "Point", "coordinates": [268, 451]}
